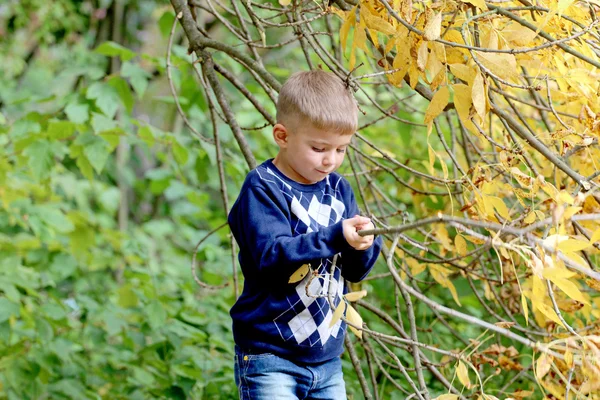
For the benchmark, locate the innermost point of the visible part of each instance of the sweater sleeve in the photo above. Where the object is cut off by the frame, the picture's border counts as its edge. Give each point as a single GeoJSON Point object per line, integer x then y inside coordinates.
{"type": "Point", "coordinates": [358, 263]}
{"type": "Point", "coordinates": [261, 226]}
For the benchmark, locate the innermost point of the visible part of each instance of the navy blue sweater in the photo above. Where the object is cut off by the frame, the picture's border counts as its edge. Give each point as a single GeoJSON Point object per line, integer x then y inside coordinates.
{"type": "Point", "coordinates": [280, 225]}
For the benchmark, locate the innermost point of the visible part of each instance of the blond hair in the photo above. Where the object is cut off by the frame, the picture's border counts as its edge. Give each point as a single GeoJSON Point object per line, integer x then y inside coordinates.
{"type": "Point", "coordinates": [320, 98]}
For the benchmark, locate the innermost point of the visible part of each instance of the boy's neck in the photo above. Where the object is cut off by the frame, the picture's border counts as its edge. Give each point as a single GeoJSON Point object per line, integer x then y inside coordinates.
{"type": "Point", "coordinates": [287, 170]}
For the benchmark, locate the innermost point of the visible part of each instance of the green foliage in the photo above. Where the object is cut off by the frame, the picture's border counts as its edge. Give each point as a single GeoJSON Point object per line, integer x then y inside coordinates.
{"type": "Point", "coordinates": [89, 309]}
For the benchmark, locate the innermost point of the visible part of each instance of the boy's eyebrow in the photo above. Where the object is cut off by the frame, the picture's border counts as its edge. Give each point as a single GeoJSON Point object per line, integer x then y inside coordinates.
{"type": "Point", "coordinates": [325, 142]}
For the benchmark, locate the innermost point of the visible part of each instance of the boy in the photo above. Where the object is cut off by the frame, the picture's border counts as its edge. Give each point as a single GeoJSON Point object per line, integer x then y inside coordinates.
{"type": "Point", "coordinates": [292, 211]}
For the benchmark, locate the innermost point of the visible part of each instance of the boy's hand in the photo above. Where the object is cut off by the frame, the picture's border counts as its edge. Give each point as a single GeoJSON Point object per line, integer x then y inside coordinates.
{"type": "Point", "coordinates": [351, 227]}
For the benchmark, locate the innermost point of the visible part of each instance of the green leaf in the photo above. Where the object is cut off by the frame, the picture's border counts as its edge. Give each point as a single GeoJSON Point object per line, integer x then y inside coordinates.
{"type": "Point", "coordinates": [70, 388]}
{"type": "Point", "coordinates": [127, 297]}
{"type": "Point", "coordinates": [7, 309]}
{"type": "Point", "coordinates": [165, 23]}
{"type": "Point", "coordinates": [180, 153]}
{"type": "Point", "coordinates": [157, 316]}
{"type": "Point", "coordinates": [60, 129]}
{"type": "Point", "coordinates": [24, 128]}
{"type": "Point", "coordinates": [113, 49]}
{"type": "Point", "coordinates": [145, 133]}
{"type": "Point", "coordinates": [124, 92]}
{"type": "Point", "coordinates": [142, 377]}
{"type": "Point", "coordinates": [54, 311]}
{"type": "Point", "coordinates": [44, 329]}
{"type": "Point", "coordinates": [55, 219]}
{"type": "Point", "coordinates": [77, 112]}
{"type": "Point", "coordinates": [101, 123]}
{"type": "Point", "coordinates": [95, 149]}
{"type": "Point", "coordinates": [25, 241]}
{"type": "Point", "coordinates": [40, 158]}
{"type": "Point", "coordinates": [106, 97]}
{"type": "Point", "coordinates": [81, 240]}
{"type": "Point", "coordinates": [138, 77]}
{"type": "Point", "coordinates": [112, 137]}
{"type": "Point", "coordinates": [85, 167]}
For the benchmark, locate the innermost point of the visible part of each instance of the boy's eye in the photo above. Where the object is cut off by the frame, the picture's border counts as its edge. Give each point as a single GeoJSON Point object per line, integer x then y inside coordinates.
{"type": "Point", "coordinates": [341, 150]}
{"type": "Point", "coordinates": [317, 149]}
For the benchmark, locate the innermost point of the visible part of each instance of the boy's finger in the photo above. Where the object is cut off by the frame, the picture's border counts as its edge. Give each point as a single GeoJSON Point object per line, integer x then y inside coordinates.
{"type": "Point", "coordinates": [360, 220]}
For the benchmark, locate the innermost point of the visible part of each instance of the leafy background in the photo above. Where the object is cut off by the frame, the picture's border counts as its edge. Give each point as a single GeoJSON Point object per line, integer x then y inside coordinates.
{"type": "Point", "coordinates": [105, 193]}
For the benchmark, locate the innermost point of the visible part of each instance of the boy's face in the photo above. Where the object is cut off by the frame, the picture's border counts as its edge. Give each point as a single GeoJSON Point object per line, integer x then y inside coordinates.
{"type": "Point", "coordinates": [308, 154]}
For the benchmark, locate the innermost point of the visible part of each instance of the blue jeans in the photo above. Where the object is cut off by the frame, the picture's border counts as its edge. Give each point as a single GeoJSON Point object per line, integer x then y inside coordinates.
{"type": "Point", "coordinates": [269, 377]}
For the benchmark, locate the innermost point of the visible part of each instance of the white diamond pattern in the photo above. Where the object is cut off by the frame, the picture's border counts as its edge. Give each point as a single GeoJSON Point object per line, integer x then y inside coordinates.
{"type": "Point", "coordinates": [308, 317]}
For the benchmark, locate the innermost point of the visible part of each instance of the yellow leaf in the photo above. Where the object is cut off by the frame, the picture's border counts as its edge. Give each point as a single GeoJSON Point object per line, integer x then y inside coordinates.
{"type": "Point", "coordinates": [568, 358]}
{"type": "Point", "coordinates": [337, 314]}
{"type": "Point", "coordinates": [413, 74]}
{"type": "Point", "coordinates": [518, 34]}
{"type": "Point", "coordinates": [388, 47]}
{"type": "Point", "coordinates": [353, 296]}
{"type": "Point", "coordinates": [489, 397]}
{"type": "Point", "coordinates": [595, 236]}
{"type": "Point", "coordinates": [454, 36]}
{"type": "Point", "coordinates": [478, 91]}
{"type": "Point", "coordinates": [444, 166]}
{"type": "Point", "coordinates": [477, 3]}
{"type": "Point", "coordinates": [422, 54]}
{"type": "Point", "coordinates": [571, 245]}
{"type": "Point", "coordinates": [564, 197]}
{"type": "Point", "coordinates": [285, 2]}
{"type": "Point", "coordinates": [553, 240]}
{"type": "Point", "coordinates": [299, 274]}
{"type": "Point", "coordinates": [570, 290]}
{"type": "Point", "coordinates": [577, 259]}
{"type": "Point", "coordinates": [401, 62]}
{"type": "Point", "coordinates": [431, 158]}
{"type": "Point", "coordinates": [447, 397]}
{"type": "Point", "coordinates": [557, 273]}
{"type": "Point", "coordinates": [437, 104]}
{"type": "Point", "coordinates": [594, 284]}
{"type": "Point", "coordinates": [360, 38]}
{"type": "Point", "coordinates": [542, 365]}
{"type": "Point", "coordinates": [488, 206]}
{"type": "Point", "coordinates": [524, 180]}
{"type": "Point", "coordinates": [538, 291]}
{"type": "Point", "coordinates": [463, 72]}
{"type": "Point", "coordinates": [525, 308]}
{"type": "Point", "coordinates": [442, 234]}
{"type": "Point", "coordinates": [375, 22]}
{"type": "Point", "coordinates": [499, 206]}
{"type": "Point", "coordinates": [461, 245]}
{"type": "Point", "coordinates": [441, 276]}
{"type": "Point", "coordinates": [354, 317]}
{"type": "Point", "coordinates": [433, 28]}
{"type": "Point", "coordinates": [503, 65]}
{"type": "Point", "coordinates": [492, 42]}
{"type": "Point", "coordinates": [463, 374]}
{"type": "Point", "coordinates": [415, 267]}
{"type": "Point", "coordinates": [348, 23]}
{"type": "Point", "coordinates": [563, 5]}
{"type": "Point", "coordinates": [462, 103]}
{"type": "Point", "coordinates": [569, 212]}
{"type": "Point", "coordinates": [529, 218]}
{"type": "Point", "coordinates": [549, 313]}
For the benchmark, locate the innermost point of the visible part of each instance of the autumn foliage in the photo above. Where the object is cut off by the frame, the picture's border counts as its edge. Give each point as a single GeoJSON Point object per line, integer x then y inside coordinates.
{"type": "Point", "coordinates": [499, 205]}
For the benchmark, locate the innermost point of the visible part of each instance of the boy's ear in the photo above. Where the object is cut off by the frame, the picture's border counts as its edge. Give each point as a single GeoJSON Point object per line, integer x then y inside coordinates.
{"type": "Point", "coordinates": [280, 134]}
